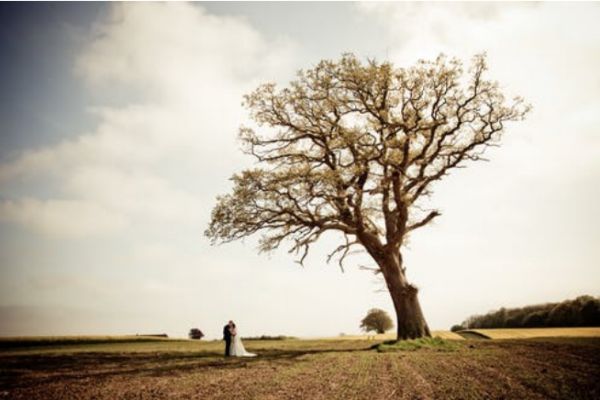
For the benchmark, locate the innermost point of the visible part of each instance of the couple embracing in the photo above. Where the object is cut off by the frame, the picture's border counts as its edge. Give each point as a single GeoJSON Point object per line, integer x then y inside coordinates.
{"type": "Point", "coordinates": [233, 342]}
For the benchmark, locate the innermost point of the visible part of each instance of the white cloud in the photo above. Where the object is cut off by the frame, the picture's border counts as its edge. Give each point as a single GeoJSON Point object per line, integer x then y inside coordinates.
{"type": "Point", "coordinates": [197, 51]}
{"type": "Point", "coordinates": [547, 52]}
{"type": "Point", "coordinates": [158, 158]}
{"type": "Point", "coordinates": [65, 218]}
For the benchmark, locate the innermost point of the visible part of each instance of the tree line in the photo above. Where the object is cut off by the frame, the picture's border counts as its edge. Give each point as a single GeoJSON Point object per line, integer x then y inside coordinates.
{"type": "Point", "coordinates": [582, 311]}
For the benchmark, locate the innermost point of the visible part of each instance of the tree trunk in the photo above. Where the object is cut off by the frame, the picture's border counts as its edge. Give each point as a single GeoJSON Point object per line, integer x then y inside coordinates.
{"type": "Point", "coordinates": [410, 323]}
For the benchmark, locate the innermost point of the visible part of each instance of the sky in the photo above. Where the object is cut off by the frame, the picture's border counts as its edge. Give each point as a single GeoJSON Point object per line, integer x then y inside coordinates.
{"type": "Point", "coordinates": [118, 129]}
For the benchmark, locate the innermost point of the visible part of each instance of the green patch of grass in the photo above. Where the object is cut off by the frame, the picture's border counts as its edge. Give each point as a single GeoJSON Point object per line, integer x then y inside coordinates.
{"type": "Point", "coordinates": [435, 344]}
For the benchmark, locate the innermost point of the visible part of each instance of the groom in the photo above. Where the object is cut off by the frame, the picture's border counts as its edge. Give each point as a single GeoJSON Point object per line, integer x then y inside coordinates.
{"type": "Point", "coordinates": [227, 337]}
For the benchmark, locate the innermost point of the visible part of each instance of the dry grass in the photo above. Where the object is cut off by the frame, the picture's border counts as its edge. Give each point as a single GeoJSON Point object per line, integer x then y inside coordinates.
{"type": "Point", "coordinates": [45, 340]}
{"type": "Point", "coordinates": [529, 333]}
{"type": "Point", "coordinates": [446, 335]}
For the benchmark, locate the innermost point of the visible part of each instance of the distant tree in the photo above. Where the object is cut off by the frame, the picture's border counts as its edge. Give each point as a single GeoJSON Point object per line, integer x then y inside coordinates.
{"type": "Point", "coordinates": [562, 314]}
{"type": "Point", "coordinates": [456, 328]}
{"type": "Point", "coordinates": [196, 333]}
{"type": "Point", "coordinates": [515, 320]}
{"type": "Point", "coordinates": [590, 312]}
{"type": "Point", "coordinates": [376, 320]}
{"type": "Point", "coordinates": [582, 311]}
{"type": "Point", "coordinates": [535, 319]}
{"type": "Point", "coordinates": [356, 148]}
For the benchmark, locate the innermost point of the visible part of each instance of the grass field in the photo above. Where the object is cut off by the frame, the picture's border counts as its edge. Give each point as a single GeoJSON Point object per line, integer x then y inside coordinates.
{"type": "Point", "coordinates": [337, 368]}
{"type": "Point", "coordinates": [528, 333]}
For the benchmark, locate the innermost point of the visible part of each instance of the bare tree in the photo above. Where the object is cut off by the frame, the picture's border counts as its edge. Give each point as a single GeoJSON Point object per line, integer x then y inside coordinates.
{"type": "Point", "coordinates": [352, 147]}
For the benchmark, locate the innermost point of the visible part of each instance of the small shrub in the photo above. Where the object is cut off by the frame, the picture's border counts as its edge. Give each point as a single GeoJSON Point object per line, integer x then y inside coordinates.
{"type": "Point", "coordinates": [195, 334]}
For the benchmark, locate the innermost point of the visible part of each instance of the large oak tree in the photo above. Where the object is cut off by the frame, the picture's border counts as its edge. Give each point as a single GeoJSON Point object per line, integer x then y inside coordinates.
{"type": "Point", "coordinates": [353, 147]}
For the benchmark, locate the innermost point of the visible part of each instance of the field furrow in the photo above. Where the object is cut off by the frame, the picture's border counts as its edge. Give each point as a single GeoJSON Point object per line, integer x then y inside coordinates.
{"type": "Point", "coordinates": [296, 369]}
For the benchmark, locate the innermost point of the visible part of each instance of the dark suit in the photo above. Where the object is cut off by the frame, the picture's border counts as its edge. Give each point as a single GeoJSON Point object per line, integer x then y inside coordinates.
{"type": "Point", "coordinates": [227, 339]}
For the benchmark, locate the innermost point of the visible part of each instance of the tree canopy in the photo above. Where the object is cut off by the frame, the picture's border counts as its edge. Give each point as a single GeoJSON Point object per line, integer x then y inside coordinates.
{"type": "Point", "coordinates": [354, 147]}
{"type": "Point", "coordinates": [376, 320]}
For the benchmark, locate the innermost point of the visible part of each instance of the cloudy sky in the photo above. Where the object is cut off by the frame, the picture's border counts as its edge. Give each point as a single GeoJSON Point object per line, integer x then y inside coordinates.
{"type": "Point", "coordinates": [118, 127]}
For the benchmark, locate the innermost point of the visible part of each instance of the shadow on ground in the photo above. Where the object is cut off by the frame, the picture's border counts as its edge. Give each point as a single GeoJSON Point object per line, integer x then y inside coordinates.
{"type": "Point", "coordinates": [21, 370]}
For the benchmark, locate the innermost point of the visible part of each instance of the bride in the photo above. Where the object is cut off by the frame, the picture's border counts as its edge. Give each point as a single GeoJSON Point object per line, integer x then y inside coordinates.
{"type": "Point", "coordinates": [237, 347]}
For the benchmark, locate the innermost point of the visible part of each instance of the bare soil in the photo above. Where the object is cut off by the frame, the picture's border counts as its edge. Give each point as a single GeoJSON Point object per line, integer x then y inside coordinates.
{"type": "Point", "coordinates": [476, 369]}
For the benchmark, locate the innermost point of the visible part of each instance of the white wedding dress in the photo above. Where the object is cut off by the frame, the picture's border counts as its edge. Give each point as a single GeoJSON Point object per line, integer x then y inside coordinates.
{"type": "Point", "coordinates": [237, 348]}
